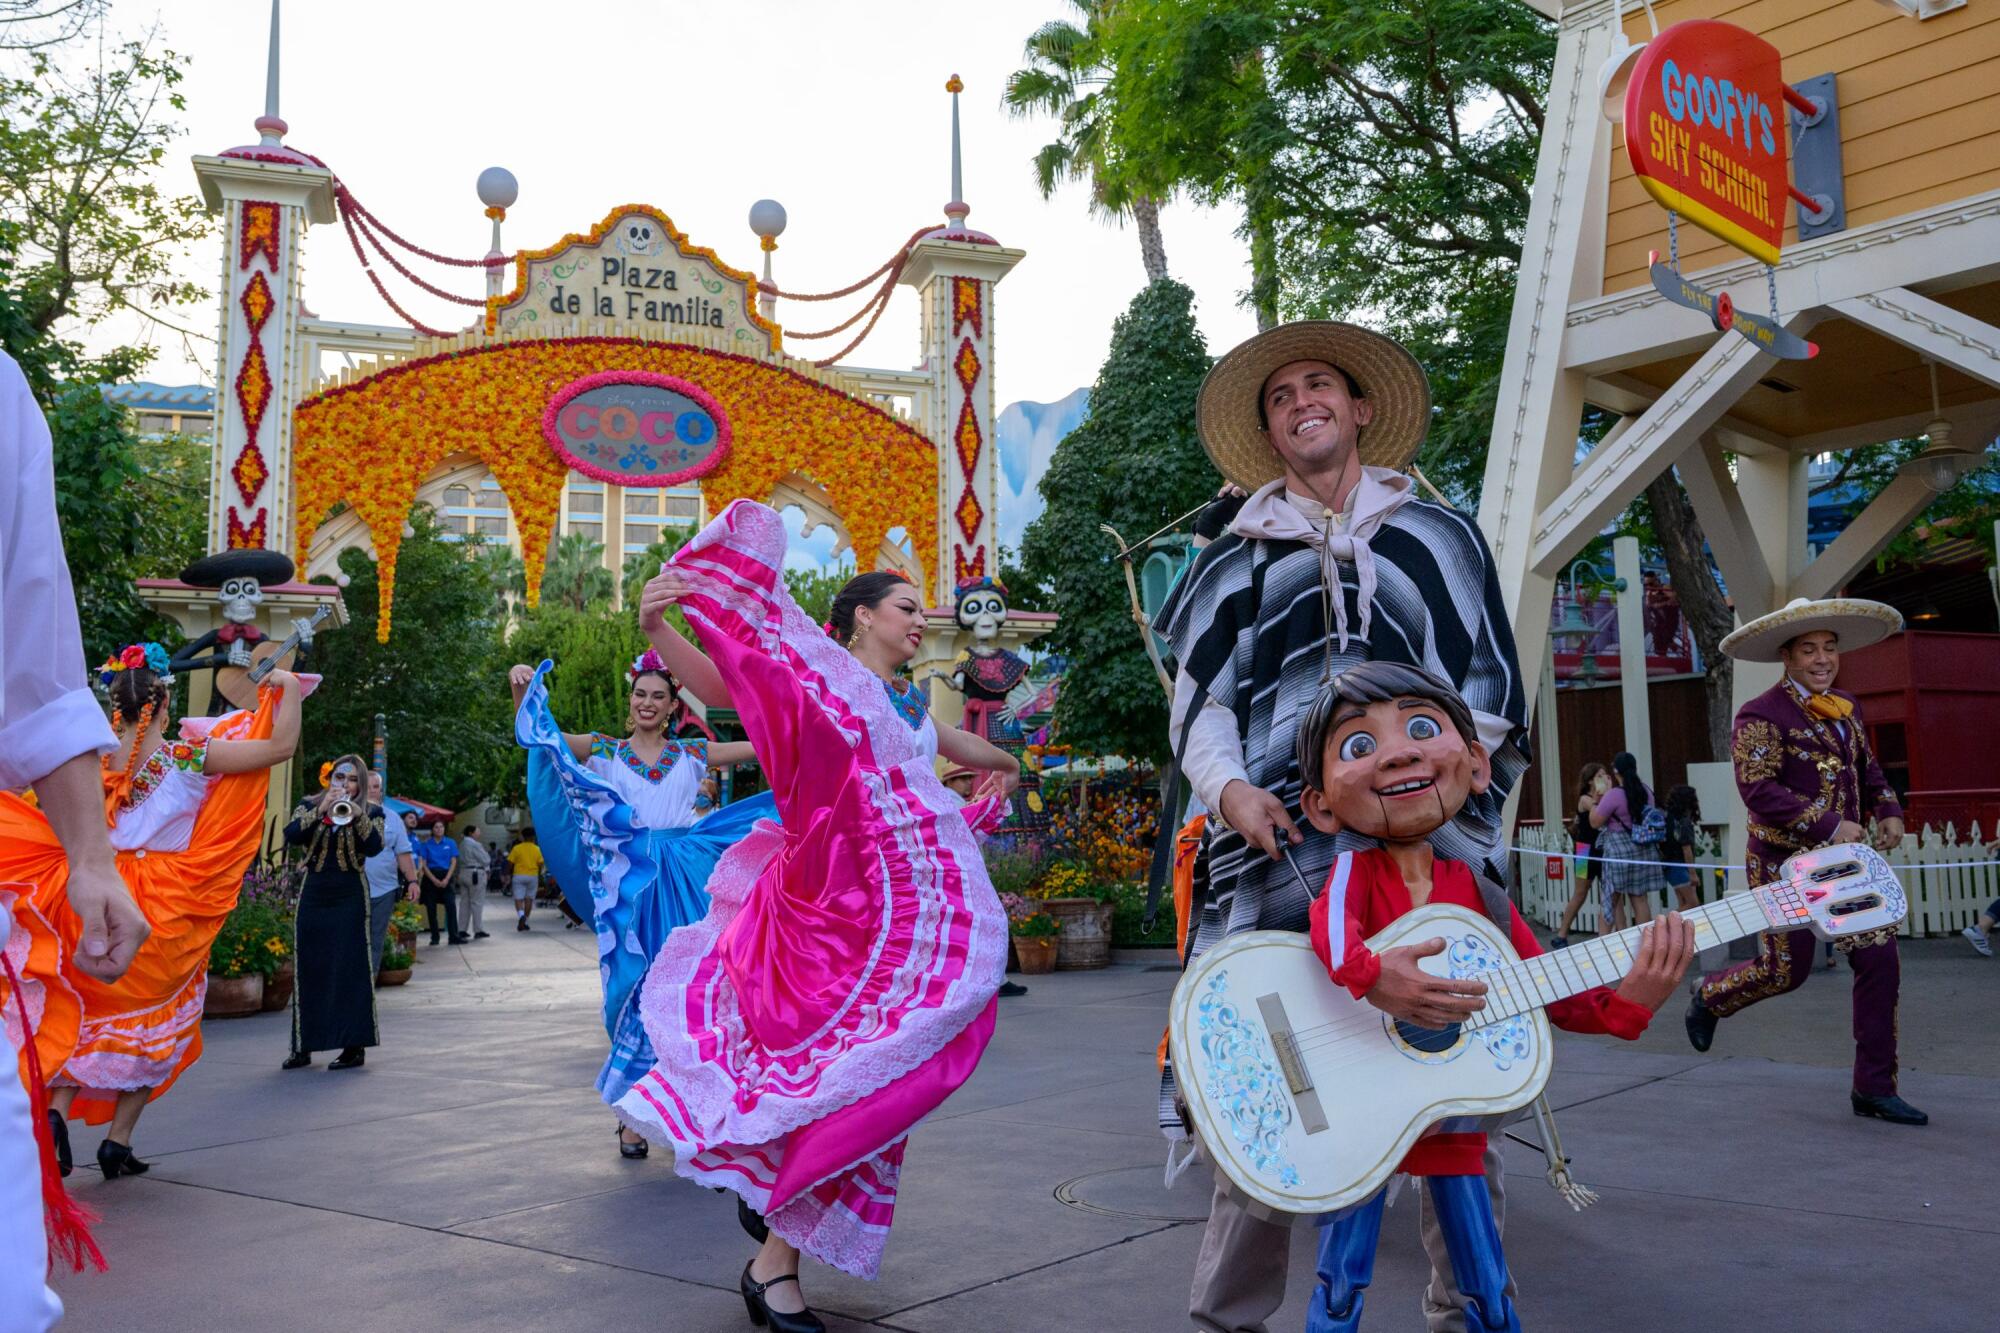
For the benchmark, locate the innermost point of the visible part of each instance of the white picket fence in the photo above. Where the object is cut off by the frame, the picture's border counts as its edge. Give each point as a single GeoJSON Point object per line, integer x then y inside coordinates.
{"type": "Point", "coordinates": [1946, 894]}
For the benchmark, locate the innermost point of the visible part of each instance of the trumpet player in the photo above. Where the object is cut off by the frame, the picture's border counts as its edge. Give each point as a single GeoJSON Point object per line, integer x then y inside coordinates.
{"type": "Point", "coordinates": [333, 999]}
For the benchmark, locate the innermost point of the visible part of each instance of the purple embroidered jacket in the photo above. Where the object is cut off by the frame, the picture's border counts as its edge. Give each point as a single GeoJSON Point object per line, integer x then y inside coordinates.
{"type": "Point", "coordinates": [1800, 776]}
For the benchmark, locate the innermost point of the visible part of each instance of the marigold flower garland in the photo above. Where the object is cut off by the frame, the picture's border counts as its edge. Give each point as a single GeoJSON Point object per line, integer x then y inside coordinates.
{"type": "Point", "coordinates": [371, 444]}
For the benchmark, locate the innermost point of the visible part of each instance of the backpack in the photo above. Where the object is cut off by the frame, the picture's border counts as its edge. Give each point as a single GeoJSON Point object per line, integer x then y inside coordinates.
{"type": "Point", "coordinates": [1651, 830]}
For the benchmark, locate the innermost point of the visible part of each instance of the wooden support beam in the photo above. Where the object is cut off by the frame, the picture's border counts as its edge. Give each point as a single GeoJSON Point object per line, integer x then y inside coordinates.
{"type": "Point", "coordinates": [1946, 336]}
{"type": "Point", "coordinates": [1610, 477]}
{"type": "Point", "coordinates": [1731, 539]}
{"type": "Point", "coordinates": [1899, 504]}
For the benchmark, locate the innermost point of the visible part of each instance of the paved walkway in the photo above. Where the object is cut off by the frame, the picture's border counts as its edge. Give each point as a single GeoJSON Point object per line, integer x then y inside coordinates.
{"type": "Point", "coordinates": [467, 1178]}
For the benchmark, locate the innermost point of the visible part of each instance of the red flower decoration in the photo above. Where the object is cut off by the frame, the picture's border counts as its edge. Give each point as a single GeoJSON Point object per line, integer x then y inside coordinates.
{"type": "Point", "coordinates": [133, 657]}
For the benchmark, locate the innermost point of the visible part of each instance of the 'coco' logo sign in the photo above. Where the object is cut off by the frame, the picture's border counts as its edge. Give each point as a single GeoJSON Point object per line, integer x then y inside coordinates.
{"type": "Point", "coordinates": [1705, 131]}
{"type": "Point", "coordinates": [633, 428]}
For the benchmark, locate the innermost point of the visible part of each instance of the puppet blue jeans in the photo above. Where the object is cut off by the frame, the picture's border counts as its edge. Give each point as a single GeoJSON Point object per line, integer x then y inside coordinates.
{"type": "Point", "coordinates": [1347, 1242]}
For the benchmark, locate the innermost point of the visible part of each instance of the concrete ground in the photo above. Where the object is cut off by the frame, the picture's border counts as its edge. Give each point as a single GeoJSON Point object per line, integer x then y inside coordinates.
{"type": "Point", "coordinates": [468, 1177]}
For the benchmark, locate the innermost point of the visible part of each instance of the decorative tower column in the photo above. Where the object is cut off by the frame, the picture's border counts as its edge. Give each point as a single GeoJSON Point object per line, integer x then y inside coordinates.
{"type": "Point", "coordinates": [767, 220]}
{"type": "Point", "coordinates": [954, 270]}
{"type": "Point", "coordinates": [267, 193]}
{"type": "Point", "coordinates": [497, 190]}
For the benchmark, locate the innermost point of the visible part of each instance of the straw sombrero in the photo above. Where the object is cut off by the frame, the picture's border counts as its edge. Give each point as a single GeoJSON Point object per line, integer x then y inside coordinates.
{"type": "Point", "coordinates": [1855, 621]}
{"type": "Point", "coordinates": [1390, 379]}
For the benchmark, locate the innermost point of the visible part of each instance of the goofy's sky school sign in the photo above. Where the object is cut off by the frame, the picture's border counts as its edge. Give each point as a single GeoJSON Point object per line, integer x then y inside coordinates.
{"type": "Point", "coordinates": [1705, 131]}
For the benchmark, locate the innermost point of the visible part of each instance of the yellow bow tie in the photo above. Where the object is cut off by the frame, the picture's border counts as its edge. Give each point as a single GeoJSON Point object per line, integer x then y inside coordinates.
{"type": "Point", "coordinates": [1828, 707]}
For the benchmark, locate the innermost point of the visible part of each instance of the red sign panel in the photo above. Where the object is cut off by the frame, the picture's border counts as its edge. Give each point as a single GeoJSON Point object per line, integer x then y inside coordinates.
{"type": "Point", "coordinates": [1705, 131]}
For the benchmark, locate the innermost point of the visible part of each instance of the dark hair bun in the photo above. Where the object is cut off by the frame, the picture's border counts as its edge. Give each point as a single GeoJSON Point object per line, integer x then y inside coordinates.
{"type": "Point", "coordinates": [863, 590]}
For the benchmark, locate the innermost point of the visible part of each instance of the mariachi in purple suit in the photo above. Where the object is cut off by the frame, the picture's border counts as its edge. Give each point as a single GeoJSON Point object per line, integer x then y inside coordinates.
{"type": "Point", "coordinates": [1800, 775]}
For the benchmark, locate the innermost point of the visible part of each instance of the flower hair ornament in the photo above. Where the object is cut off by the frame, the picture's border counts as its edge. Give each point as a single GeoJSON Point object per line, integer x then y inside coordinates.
{"type": "Point", "coordinates": [326, 774]}
{"type": "Point", "coordinates": [650, 660]}
{"type": "Point", "coordinates": [133, 656]}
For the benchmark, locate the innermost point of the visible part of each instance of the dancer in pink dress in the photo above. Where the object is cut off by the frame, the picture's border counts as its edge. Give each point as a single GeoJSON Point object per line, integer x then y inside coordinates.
{"type": "Point", "coordinates": [841, 985]}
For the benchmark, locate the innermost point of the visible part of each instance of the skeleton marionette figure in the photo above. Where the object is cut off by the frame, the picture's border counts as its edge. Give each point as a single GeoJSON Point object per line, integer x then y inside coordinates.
{"type": "Point", "coordinates": [994, 682]}
{"type": "Point", "coordinates": [239, 578]}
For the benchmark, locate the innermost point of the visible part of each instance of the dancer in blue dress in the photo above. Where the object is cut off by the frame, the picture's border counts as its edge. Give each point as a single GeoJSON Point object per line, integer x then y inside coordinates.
{"type": "Point", "coordinates": [621, 823]}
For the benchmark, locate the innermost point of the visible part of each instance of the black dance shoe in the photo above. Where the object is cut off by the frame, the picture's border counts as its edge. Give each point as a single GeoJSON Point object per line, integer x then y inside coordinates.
{"type": "Point", "coordinates": [630, 1151]}
{"type": "Point", "coordinates": [352, 1058]}
{"type": "Point", "coordinates": [1890, 1108]}
{"type": "Point", "coordinates": [1701, 1027]}
{"type": "Point", "coordinates": [762, 1315]}
{"type": "Point", "coordinates": [297, 1060]}
{"type": "Point", "coordinates": [751, 1221]}
{"type": "Point", "coordinates": [1009, 989]}
{"type": "Point", "coordinates": [59, 1131]}
{"type": "Point", "coordinates": [461, 938]}
{"type": "Point", "coordinates": [115, 1159]}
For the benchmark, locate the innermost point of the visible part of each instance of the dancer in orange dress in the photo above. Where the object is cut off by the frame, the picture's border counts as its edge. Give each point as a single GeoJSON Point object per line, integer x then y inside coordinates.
{"type": "Point", "coordinates": [186, 817]}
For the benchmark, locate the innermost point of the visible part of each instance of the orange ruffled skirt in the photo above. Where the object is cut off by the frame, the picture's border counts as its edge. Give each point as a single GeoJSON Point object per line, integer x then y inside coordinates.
{"type": "Point", "coordinates": [145, 1029]}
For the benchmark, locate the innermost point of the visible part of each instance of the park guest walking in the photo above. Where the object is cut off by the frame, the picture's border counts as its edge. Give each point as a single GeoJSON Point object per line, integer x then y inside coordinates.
{"type": "Point", "coordinates": [1631, 873]}
{"type": "Point", "coordinates": [475, 863]}
{"type": "Point", "coordinates": [526, 859]}
{"type": "Point", "coordinates": [1591, 782]}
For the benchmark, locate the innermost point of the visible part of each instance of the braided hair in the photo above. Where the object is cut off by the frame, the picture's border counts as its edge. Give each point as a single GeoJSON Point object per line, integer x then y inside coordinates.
{"type": "Point", "coordinates": [137, 694]}
{"type": "Point", "coordinates": [862, 591]}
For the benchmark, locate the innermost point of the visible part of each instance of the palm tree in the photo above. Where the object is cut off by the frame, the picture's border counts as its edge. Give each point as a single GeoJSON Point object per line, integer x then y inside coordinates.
{"type": "Point", "coordinates": [500, 569]}
{"type": "Point", "coordinates": [640, 566]}
{"type": "Point", "coordinates": [1064, 79]}
{"type": "Point", "coordinates": [575, 576]}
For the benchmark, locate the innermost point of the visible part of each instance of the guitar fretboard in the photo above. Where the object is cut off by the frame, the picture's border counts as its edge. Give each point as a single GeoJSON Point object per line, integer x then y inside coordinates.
{"type": "Point", "coordinates": [1560, 973]}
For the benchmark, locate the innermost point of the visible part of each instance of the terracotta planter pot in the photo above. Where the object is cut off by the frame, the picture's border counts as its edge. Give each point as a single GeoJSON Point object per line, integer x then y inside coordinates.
{"type": "Point", "coordinates": [1086, 932]}
{"type": "Point", "coordinates": [233, 997]}
{"type": "Point", "coordinates": [1037, 953]}
{"type": "Point", "coordinates": [392, 977]}
{"type": "Point", "coordinates": [278, 987]}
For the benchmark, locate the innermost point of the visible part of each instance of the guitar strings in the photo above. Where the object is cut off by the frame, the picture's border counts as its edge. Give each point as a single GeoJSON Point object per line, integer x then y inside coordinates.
{"type": "Point", "coordinates": [1516, 976]}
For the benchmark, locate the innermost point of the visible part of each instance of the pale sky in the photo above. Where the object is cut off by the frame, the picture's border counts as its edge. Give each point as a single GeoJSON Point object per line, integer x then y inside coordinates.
{"type": "Point", "coordinates": [836, 108]}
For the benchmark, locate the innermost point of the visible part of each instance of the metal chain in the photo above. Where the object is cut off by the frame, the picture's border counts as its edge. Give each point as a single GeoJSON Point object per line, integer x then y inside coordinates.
{"type": "Point", "coordinates": [1771, 285]}
{"type": "Point", "coordinates": [1674, 240]}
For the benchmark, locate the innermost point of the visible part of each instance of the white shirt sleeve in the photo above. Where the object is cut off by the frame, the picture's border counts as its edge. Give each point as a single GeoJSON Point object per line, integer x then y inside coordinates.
{"type": "Point", "coordinates": [1214, 755]}
{"type": "Point", "coordinates": [48, 714]}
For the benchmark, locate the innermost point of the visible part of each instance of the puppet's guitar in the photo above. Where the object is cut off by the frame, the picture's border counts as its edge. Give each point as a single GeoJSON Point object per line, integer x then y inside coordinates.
{"type": "Point", "coordinates": [1306, 1099]}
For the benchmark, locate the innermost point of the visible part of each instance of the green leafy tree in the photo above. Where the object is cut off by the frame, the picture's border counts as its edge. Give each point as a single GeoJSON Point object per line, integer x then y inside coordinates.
{"type": "Point", "coordinates": [1136, 464]}
{"type": "Point", "coordinates": [83, 144]}
{"type": "Point", "coordinates": [815, 589]}
{"type": "Point", "coordinates": [439, 681]}
{"type": "Point", "coordinates": [1065, 80]}
{"type": "Point", "coordinates": [574, 575]}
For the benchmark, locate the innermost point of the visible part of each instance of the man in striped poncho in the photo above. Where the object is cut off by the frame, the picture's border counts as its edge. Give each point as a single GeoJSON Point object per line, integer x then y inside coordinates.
{"type": "Point", "coordinates": [1331, 561]}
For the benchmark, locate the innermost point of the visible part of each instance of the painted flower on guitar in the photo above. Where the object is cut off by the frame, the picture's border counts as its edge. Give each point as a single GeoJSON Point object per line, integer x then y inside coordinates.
{"type": "Point", "coordinates": [1244, 1084]}
{"type": "Point", "coordinates": [1506, 1042]}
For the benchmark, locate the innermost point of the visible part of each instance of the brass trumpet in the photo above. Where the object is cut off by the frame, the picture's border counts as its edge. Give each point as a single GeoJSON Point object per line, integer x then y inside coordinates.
{"type": "Point", "coordinates": [342, 812]}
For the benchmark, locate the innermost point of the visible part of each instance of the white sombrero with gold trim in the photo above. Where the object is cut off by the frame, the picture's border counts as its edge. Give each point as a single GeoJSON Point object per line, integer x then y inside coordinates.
{"type": "Point", "coordinates": [1391, 380]}
{"type": "Point", "coordinates": [1855, 621]}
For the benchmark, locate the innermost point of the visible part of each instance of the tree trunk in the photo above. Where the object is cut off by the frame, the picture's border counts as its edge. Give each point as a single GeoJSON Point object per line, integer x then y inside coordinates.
{"type": "Point", "coordinates": [1263, 275]}
{"type": "Point", "coordinates": [1152, 245]}
{"type": "Point", "coordinates": [1708, 615]}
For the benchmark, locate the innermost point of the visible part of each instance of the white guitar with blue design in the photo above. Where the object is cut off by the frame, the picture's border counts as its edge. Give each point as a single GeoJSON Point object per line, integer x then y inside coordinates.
{"type": "Point", "coordinates": [1306, 1099]}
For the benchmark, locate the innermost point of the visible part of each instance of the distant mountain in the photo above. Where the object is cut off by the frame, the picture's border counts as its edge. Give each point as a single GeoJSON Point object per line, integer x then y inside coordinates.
{"type": "Point", "coordinates": [1027, 437]}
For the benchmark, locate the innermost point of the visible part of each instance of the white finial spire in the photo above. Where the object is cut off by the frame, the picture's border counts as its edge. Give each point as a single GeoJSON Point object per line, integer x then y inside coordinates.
{"type": "Point", "coordinates": [955, 211]}
{"type": "Point", "coordinates": [269, 125]}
